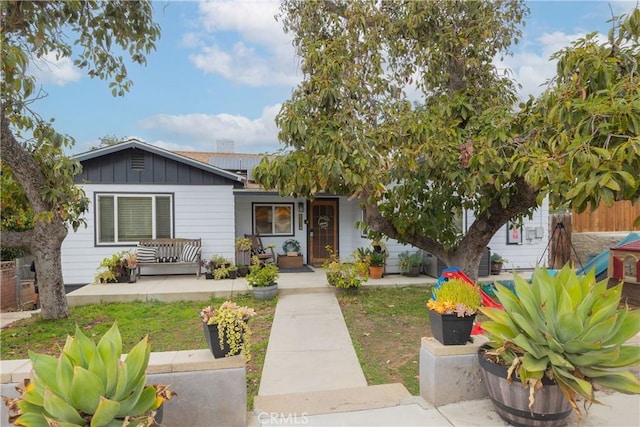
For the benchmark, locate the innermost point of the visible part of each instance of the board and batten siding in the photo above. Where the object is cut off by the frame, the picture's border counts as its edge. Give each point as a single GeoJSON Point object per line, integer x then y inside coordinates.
{"type": "Point", "coordinates": [200, 211]}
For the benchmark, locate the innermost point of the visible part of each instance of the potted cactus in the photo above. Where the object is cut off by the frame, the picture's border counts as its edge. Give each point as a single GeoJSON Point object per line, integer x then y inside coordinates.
{"type": "Point", "coordinates": [555, 340]}
{"type": "Point", "coordinates": [89, 385]}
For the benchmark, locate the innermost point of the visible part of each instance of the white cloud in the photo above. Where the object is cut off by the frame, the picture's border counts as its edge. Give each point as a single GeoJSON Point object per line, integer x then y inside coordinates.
{"type": "Point", "coordinates": [202, 131]}
{"type": "Point", "coordinates": [533, 68]}
{"type": "Point", "coordinates": [262, 54]}
{"type": "Point", "coordinates": [50, 70]}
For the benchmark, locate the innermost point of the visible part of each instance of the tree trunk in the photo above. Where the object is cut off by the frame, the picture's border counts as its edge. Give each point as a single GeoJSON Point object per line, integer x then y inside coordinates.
{"type": "Point", "coordinates": [46, 248]}
{"type": "Point", "coordinates": [45, 240]}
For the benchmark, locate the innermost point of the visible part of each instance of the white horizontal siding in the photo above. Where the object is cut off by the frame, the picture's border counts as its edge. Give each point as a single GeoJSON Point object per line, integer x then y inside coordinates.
{"type": "Point", "coordinates": [205, 212]}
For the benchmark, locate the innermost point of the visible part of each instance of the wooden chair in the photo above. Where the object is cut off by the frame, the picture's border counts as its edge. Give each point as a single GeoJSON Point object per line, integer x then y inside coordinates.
{"type": "Point", "coordinates": [265, 255]}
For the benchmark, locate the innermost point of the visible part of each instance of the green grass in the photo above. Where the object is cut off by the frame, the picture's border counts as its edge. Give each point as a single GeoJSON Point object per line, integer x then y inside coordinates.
{"type": "Point", "coordinates": [170, 326]}
{"type": "Point", "coordinates": [386, 326]}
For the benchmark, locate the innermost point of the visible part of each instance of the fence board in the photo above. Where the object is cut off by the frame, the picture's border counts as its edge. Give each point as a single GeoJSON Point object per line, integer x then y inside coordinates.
{"type": "Point", "coordinates": [619, 217]}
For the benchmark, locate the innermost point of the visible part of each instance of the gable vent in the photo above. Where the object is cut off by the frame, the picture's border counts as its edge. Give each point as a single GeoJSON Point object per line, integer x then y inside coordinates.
{"type": "Point", "coordinates": [137, 161]}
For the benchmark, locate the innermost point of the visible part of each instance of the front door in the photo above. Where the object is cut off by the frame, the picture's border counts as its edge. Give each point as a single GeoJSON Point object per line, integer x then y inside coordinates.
{"type": "Point", "coordinates": [323, 229]}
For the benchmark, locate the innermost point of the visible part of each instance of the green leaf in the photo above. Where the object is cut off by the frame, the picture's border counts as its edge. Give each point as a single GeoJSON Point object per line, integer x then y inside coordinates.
{"type": "Point", "coordinates": [105, 413]}
{"type": "Point", "coordinates": [60, 409]}
{"type": "Point", "coordinates": [86, 390]}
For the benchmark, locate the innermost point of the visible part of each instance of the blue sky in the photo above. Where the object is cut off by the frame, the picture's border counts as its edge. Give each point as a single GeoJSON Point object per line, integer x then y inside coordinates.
{"type": "Point", "coordinates": [223, 68]}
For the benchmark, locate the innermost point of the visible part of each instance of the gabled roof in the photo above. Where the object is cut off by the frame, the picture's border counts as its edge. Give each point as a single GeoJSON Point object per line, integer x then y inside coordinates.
{"type": "Point", "coordinates": [135, 143]}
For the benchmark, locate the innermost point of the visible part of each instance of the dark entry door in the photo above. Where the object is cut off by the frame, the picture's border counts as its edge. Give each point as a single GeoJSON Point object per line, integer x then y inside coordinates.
{"type": "Point", "coordinates": [323, 229]}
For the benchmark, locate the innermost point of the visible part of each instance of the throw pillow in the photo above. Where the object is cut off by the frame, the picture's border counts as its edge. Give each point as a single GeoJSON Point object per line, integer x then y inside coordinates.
{"type": "Point", "coordinates": [190, 253]}
{"type": "Point", "coordinates": [146, 253]}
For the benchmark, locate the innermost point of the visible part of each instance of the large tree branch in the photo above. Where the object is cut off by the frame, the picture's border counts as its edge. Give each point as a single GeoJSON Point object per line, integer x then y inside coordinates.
{"type": "Point", "coordinates": [22, 165]}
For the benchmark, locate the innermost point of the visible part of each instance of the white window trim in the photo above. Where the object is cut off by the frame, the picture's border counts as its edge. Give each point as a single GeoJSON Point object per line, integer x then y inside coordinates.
{"type": "Point", "coordinates": [116, 196]}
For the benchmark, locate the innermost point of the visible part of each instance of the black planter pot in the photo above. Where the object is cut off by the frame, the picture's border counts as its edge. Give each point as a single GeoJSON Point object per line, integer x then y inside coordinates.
{"type": "Point", "coordinates": [208, 276]}
{"type": "Point", "coordinates": [243, 271]}
{"type": "Point", "coordinates": [511, 400]}
{"type": "Point", "coordinates": [450, 329]}
{"type": "Point", "coordinates": [213, 340]}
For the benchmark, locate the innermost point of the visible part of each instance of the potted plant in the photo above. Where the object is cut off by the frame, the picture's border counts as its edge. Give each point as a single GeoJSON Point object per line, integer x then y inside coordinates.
{"type": "Point", "coordinates": [262, 277]}
{"type": "Point", "coordinates": [113, 268]}
{"type": "Point", "coordinates": [410, 263]}
{"type": "Point", "coordinates": [452, 310]}
{"type": "Point", "coordinates": [376, 262]}
{"type": "Point", "coordinates": [243, 247]}
{"type": "Point", "coordinates": [208, 268]}
{"type": "Point", "coordinates": [496, 263]}
{"type": "Point", "coordinates": [131, 260]}
{"type": "Point", "coordinates": [89, 384]}
{"type": "Point", "coordinates": [226, 329]}
{"type": "Point", "coordinates": [221, 272]}
{"type": "Point", "coordinates": [345, 275]}
{"type": "Point", "coordinates": [556, 339]}
{"type": "Point", "coordinates": [291, 247]}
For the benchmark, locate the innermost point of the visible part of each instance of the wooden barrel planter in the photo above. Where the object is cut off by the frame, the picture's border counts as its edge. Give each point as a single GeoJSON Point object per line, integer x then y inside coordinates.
{"type": "Point", "coordinates": [551, 408]}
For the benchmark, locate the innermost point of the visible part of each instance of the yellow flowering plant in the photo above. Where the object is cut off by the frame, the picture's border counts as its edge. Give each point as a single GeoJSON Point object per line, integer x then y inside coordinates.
{"type": "Point", "coordinates": [455, 296]}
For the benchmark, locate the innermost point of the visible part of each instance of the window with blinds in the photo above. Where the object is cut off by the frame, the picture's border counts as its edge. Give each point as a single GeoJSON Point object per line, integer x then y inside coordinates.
{"type": "Point", "coordinates": [129, 218]}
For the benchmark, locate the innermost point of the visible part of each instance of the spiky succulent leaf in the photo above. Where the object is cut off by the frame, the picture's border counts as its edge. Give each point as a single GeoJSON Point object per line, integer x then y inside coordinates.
{"type": "Point", "coordinates": [137, 361]}
{"type": "Point", "coordinates": [64, 375]}
{"type": "Point", "coordinates": [87, 389]}
{"type": "Point", "coordinates": [128, 402]}
{"type": "Point", "coordinates": [45, 367]}
{"type": "Point", "coordinates": [105, 412]}
{"type": "Point", "coordinates": [60, 410]}
{"type": "Point", "coordinates": [31, 419]}
{"type": "Point", "coordinates": [121, 389]}
{"type": "Point", "coordinates": [110, 349]}
{"type": "Point", "coordinates": [146, 401]}
{"type": "Point", "coordinates": [628, 327]}
{"type": "Point", "coordinates": [87, 348]}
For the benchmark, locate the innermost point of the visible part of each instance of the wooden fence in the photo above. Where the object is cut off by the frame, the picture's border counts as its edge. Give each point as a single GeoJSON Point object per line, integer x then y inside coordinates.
{"type": "Point", "coordinates": [619, 217]}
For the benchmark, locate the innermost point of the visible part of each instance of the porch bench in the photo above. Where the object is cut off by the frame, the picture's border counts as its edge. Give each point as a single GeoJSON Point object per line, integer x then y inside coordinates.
{"type": "Point", "coordinates": [177, 252]}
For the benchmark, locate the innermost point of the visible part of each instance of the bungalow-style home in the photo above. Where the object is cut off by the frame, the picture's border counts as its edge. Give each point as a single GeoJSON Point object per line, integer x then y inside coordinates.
{"type": "Point", "coordinates": [139, 191]}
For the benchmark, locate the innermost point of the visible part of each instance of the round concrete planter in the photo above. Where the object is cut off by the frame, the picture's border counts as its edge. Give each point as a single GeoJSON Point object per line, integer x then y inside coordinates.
{"type": "Point", "coordinates": [265, 292]}
{"type": "Point", "coordinates": [511, 401]}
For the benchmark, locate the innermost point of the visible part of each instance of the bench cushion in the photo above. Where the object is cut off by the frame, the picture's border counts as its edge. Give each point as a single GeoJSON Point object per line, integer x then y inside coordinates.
{"type": "Point", "coordinates": [147, 253]}
{"type": "Point", "coordinates": [190, 253]}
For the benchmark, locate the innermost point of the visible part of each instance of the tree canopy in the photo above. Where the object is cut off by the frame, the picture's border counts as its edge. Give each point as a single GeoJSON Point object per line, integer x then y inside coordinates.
{"type": "Point", "coordinates": [37, 176]}
{"type": "Point", "coordinates": [402, 106]}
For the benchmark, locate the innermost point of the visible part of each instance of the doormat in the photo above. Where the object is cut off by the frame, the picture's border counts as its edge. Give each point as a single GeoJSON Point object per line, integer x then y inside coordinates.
{"type": "Point", "coordinates": [303, 269]}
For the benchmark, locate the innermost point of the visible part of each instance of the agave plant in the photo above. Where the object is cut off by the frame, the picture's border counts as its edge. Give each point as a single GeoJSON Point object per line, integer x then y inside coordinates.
{"type": "Point", "coordinates": [89, 385]}
{"type": "Point", "coordinates": [566, 327]}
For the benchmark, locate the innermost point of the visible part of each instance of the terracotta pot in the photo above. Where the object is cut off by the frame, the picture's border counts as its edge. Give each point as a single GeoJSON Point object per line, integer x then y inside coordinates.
{"type": "Point", "coordinates": [375, 272]}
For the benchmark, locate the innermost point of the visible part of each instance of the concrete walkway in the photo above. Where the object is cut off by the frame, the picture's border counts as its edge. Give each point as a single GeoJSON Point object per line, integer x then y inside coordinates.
{"type": "Point", "coordinates": [310, 348]}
